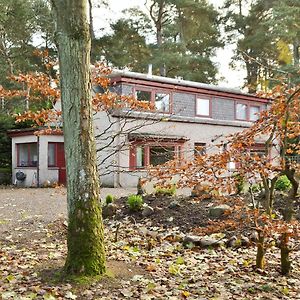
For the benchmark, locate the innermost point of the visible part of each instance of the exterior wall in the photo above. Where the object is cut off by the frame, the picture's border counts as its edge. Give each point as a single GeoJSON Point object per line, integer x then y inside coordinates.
{"type": "Point", "coordinates": [184, 104]}
{"type": "Point", "coordinates": [223, 109]}
{"type": "Point", "coordinates": [45, 174]}
{"type": "Point", "coordinates": [31, 172]}
{"type": "Point", "coordinates": [193, 132]}
{"type": "Point", "coordinates": [105, 130]}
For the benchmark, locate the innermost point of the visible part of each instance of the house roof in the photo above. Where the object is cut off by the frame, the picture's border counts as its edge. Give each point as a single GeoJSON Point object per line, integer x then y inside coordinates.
{"type": "Point", "coordinates": [132, 77]}
{"type": "Point", "coordinates": [31, 131]}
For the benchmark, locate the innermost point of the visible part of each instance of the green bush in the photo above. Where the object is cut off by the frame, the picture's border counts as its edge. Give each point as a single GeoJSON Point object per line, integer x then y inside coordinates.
{"type": "Point", "coordinates": [255, 188]}
{"type": "Point", "coordinates": [282, 184]}
{"type": "Point", "coordinates": [135, 202]}
{"type": "Point", "coordinates": [109, 199]}
{"type": "Point", "coordinates": [165, 191]}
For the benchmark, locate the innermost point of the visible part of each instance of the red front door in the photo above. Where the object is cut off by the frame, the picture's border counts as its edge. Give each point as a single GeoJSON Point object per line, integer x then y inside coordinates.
{"type": "Point", "coordinates": [61, 164]}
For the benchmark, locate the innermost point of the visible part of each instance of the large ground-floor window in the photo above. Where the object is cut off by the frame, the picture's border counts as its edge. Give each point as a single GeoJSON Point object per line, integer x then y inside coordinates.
{"type": "Point", "coordinates": [146, 153]}
{"type": "Point", "coordinates": [27, 155]}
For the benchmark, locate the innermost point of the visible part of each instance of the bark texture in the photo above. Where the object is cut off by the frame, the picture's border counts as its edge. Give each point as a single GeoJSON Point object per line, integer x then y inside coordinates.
{"type": "Point", "coordinates": [260, 252]}
{"type": "Point", "coordinates": [85, 231]}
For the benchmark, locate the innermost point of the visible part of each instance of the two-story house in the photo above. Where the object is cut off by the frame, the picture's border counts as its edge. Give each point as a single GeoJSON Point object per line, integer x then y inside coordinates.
{"type": "Point", "coordinates": [189, 118]}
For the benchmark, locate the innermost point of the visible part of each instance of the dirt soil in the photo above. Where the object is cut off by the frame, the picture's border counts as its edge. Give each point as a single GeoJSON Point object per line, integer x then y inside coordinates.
{"type": "Point", "coordinates": [184, 212]}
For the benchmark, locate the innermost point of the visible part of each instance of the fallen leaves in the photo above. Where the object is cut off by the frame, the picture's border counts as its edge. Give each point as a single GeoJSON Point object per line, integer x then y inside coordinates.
{"type": "Point", "coordinates": [167, 271]}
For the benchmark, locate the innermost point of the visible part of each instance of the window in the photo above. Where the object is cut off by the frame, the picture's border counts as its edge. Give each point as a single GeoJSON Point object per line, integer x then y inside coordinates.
{"type": "Point", "coordinates": [27, 155]}
{"type": "Point", "coordinates": [143, 154]}
{"type": "Point", "coordinates": [241, 111]}
{"type": "Point", "coordinates": [159, 155]}
{"type": "Point", "coordinates": [140, 157]}
{"type": "Point", "coordinates": [162, 102]}
{"type": "Point", "coordinates": [202, 107]}
{"type": "Point", "coordinates": [247, 112]}
{"type": "Point", "coordinates": [51, 154]}
{"type": "Point", "coordinates": [254, 113]}
{"type": "Point", "coordinates": [143, 95]}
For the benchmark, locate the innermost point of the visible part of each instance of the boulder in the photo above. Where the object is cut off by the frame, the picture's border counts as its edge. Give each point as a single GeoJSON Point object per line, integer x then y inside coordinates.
{"type": "Point", "coordinates": [191, 239]}
{"type": "Point", "coordinates": [147, 210]}
{"type": "Point", "coordinates": [245, 241]}
{"type": "Point", "coordinates": [218, 211]}
{"type": "Point", "coordinates": [109, 210]}
{"type": "Point", "coordinates": [232, 242]}
{"type": "Point", "coordinates": [203, 242]}
{"type": "Point", "coordinates": [201, 191]}
{"type": "Point", "coordinates": [209, 242]}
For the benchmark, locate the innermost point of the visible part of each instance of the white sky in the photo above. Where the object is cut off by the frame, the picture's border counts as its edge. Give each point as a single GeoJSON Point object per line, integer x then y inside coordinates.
{"type": "Point", "coordinates": [232, 78]}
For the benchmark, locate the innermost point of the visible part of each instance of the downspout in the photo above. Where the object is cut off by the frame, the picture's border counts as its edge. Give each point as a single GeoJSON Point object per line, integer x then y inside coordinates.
{"type": "Point", "coordinates": [38, 162]}
{"type": "Point", "coordinates": [118, 179]}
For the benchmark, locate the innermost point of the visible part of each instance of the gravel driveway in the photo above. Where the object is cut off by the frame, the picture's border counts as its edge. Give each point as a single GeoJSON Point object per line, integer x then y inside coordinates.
{"type": "Point", "coordinates": [26, 206]}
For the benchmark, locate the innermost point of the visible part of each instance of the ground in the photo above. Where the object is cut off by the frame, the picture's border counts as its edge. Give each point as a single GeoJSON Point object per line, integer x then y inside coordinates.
{"type": "Point", "coordinates": [146, 258]}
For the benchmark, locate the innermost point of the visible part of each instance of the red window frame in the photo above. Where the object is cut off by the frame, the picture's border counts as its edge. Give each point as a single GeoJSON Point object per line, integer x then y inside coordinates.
{"type": "Point", "coordinates": [147, 145]}
{"type": "Point", "coordinates": [55, 154]}
{"type": "Point", "coordinates": [28, 155]}
{"type": "Point", "coordinates": [248, 105]}
{"type": "Point", "coordinates": [152, 98]}
{"type": "Point", "coordinates": [203, 97]}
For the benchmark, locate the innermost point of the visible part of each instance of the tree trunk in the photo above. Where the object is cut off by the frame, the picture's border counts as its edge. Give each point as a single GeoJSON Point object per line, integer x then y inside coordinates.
{"type": "Point", "coordinates": [284, 255]}
{"type": "Point", "coordinates": [85, 230]}
{"type": "Point", "coordinates": [288, 216]}
{"type": "Point", "coordinates": [260, 251]}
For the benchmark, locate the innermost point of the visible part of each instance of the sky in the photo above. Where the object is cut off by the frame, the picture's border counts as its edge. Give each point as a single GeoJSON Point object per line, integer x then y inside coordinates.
{"type": "Point", "coordinates": [232, 78]}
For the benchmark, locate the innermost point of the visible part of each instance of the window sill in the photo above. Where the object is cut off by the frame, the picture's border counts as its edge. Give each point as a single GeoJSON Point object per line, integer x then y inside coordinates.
{"type": "Point", "coordinates": [25, 167]}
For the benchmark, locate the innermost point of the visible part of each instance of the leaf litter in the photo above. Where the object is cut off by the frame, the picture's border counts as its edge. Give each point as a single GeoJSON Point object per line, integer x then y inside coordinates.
{"type": "Point", "coordinates": [148, 261]}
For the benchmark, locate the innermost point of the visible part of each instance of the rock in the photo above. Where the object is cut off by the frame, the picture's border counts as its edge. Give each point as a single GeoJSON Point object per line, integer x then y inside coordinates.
{"type": "Point", "coordinates": [245, 242]}
{"type": "Point", "coordinates": [109, 210]}
{"type": "Point", "coordinates": [209, 242]}
{"type": "Point", "coordinates": [218, 211]}
{"type": "Point", "coordinates": [201, 190]}
{"type": "Point", "coordinates": [254, 236]}
{"type": "Point", "coordinates": [232, 242]}
{"type": "Point", "coordinates": [147, 211]}
{"type": "Point", "coordinates": [203, 242]}
{"type": "Point", "coordinates": [174, 204]}
{"type": "Point", "coordinates": [140, 187]}
{"type": "Point", "coordinates": [191, 239]}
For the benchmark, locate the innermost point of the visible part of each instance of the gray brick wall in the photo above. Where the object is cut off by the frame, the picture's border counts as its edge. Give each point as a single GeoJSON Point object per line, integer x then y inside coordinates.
{"type": "Point", "coordinates": [223, 109]}
{"type": "Point", "coordinates": [116, 88]}
{"type": "Point", "coordinates": [184, 104]}
{"type": "Point", "coordinates": [126, 89]}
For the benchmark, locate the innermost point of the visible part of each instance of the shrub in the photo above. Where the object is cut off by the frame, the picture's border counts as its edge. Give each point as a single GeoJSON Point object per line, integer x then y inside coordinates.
{"type": "Point", "coordinates": [255, 188]}
{"type": "Point", "coordinates": [165, 191]}
{"type": "Point", "coordinates": [282, 183]}
{"type": "Point", "coordinates": [135, 202]}
{"type": "Point", "coordinates": [109, 199]}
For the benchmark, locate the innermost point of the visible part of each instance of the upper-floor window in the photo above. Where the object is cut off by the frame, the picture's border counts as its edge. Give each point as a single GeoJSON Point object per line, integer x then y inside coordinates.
{"type": "Point", "coordinates": [254, 113]}
{"type": "Point", "coordinates": [241, 111]}
{"type": "Point", "coordinates": [247, 112]}
{"type": "Point", "coordinates": [27, 155]}
{"type": "Point", "coordinates": [203, 106]}
{"type": "Point", "coordinates": [143, 95]}
{"type": "Point", "coordinates": [160, 100]}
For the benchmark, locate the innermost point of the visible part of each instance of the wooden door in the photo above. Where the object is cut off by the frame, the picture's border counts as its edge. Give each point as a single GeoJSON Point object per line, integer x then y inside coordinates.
{"type": "Point", "coordinates": [61, 163]}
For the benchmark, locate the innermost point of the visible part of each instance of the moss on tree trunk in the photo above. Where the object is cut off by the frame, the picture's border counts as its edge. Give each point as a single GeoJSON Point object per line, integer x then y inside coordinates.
{"type": "Point", "coordinates": [85, 230]}
{"type": "Point", "coordinates": [260, 251]}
